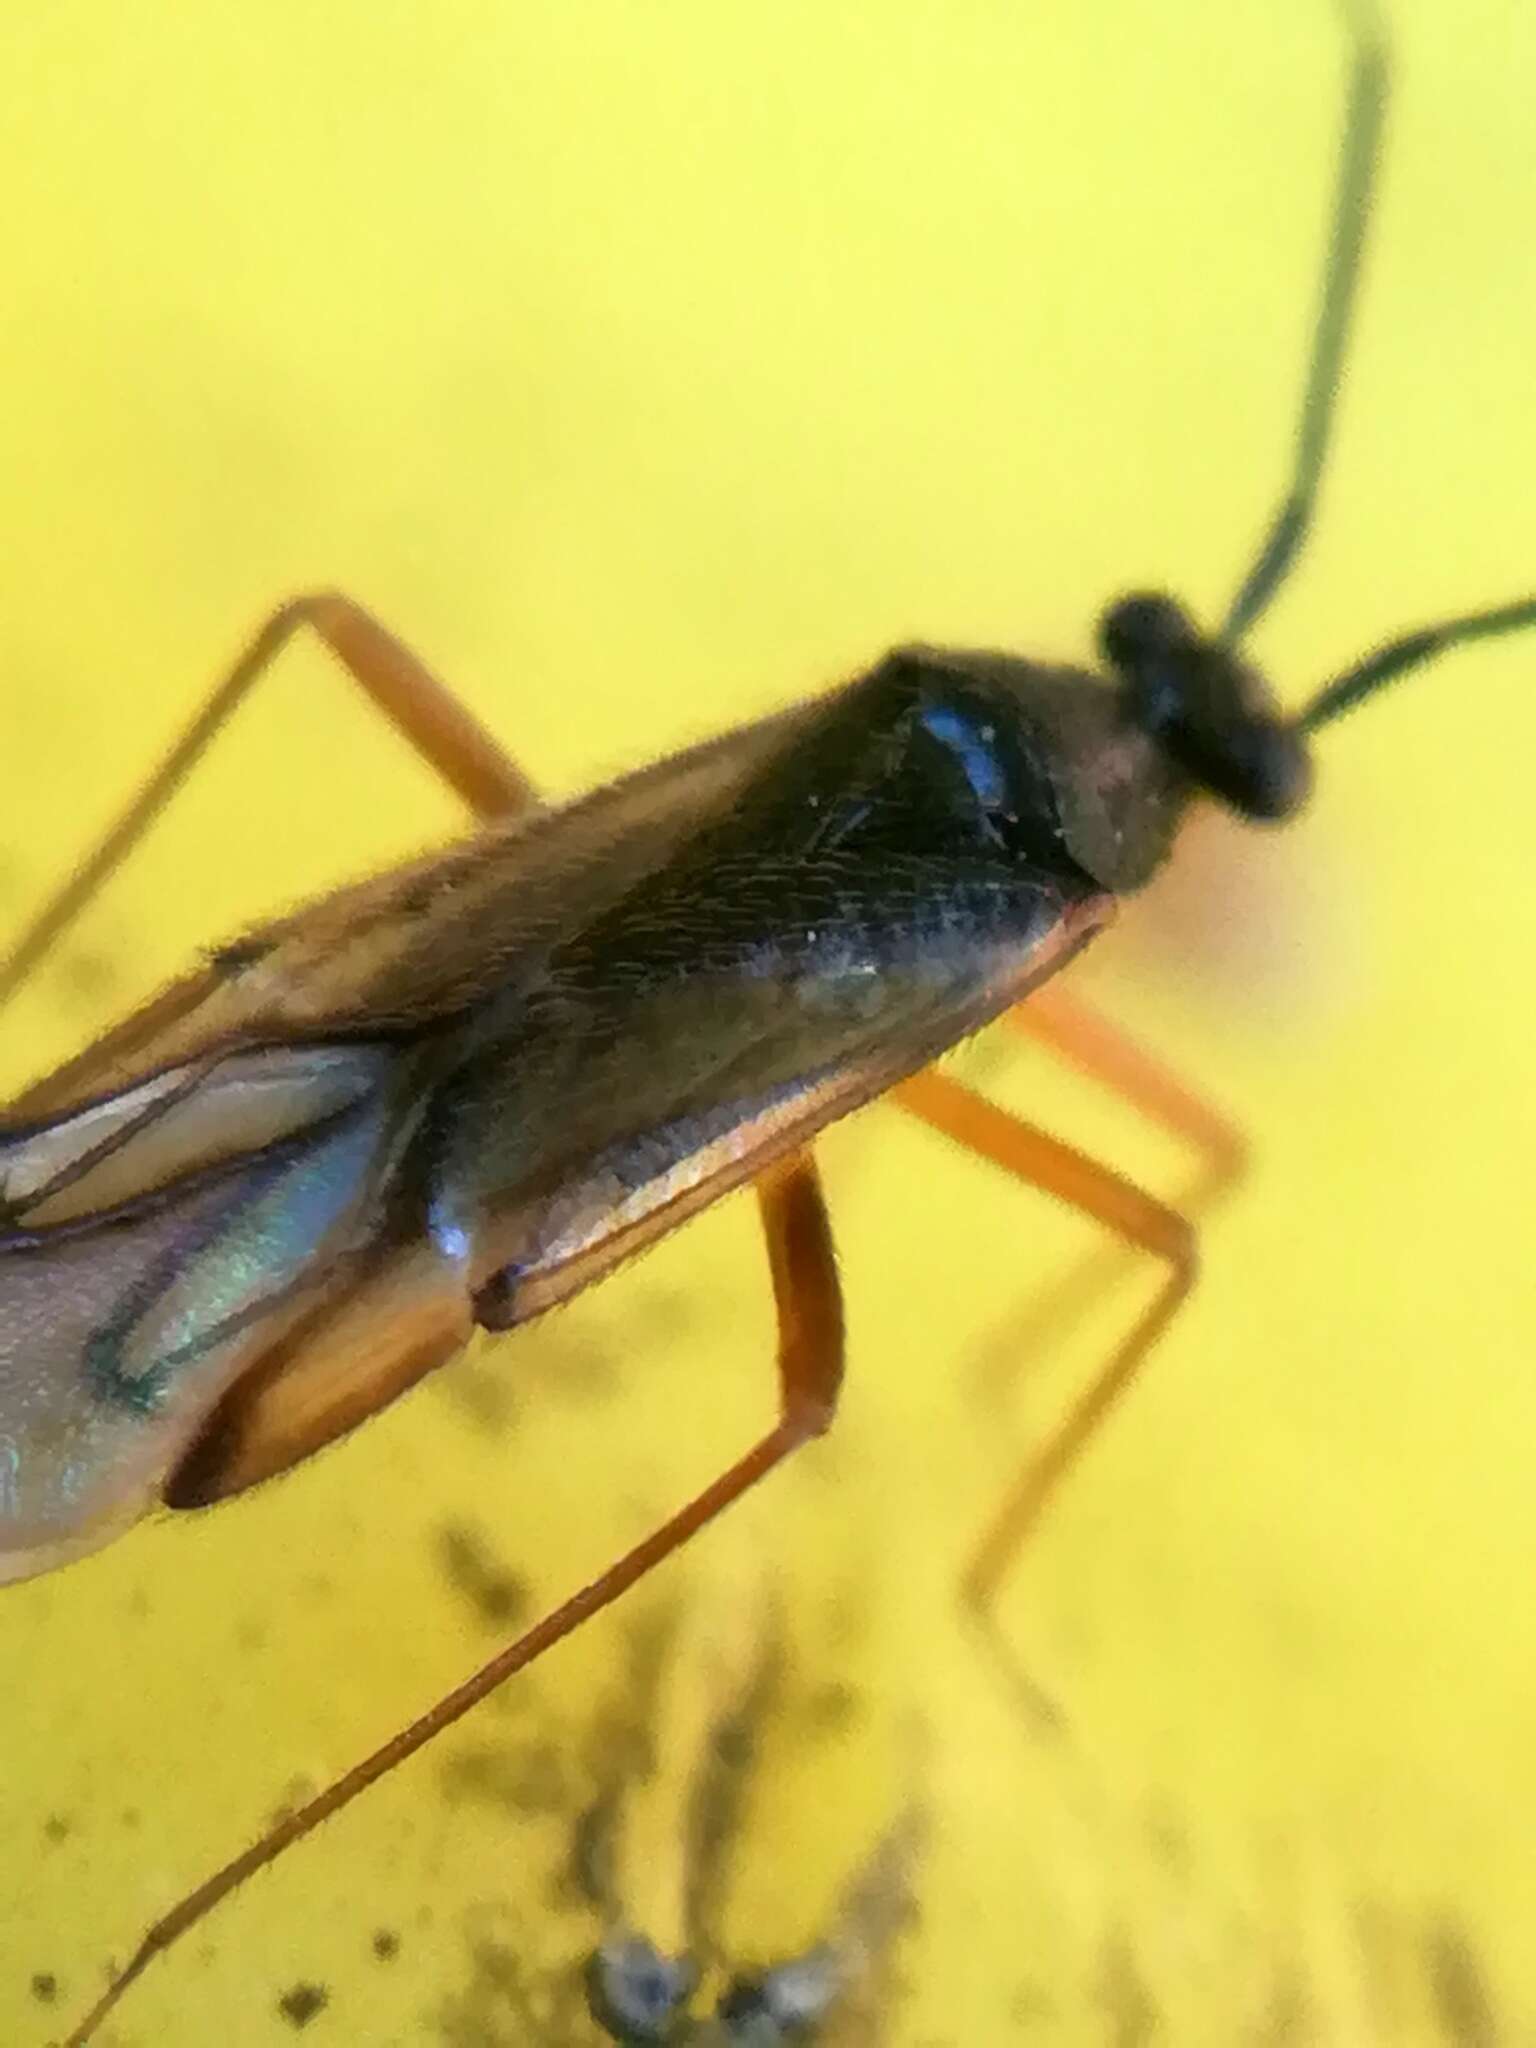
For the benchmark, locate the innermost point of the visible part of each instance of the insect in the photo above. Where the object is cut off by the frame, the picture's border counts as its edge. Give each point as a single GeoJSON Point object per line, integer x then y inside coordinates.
{"type": "Point", "coordinates": [452, 1096]}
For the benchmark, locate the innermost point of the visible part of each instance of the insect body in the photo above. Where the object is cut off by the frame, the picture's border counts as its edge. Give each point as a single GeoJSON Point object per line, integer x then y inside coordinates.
{"type": "Point", "coordinates": [239, 1231]}
{"type": "Point", "coordinates": [454, 1095]}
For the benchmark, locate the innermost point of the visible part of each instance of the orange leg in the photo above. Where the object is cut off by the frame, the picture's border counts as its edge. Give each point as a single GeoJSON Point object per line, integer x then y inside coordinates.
{"type": "Point", "coordinates": [424, 710]}
{"type": "Point", "coordinates": [808, 1302]}
{"type": "Point", "coordinates": [1138, 1220]}
{"type": "Point", "coordinates": [1067, 1025]}
{"type": "Point", "coordinates": [1075, 1031]}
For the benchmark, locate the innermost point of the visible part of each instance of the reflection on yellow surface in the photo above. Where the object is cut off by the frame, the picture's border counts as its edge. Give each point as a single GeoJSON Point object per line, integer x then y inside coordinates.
{"type": "Point", "coordinates": [647, 368]}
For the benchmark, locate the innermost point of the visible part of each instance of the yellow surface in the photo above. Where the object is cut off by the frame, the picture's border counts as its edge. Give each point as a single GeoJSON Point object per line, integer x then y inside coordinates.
{"type": "Point", "coordinates": [648, 367]}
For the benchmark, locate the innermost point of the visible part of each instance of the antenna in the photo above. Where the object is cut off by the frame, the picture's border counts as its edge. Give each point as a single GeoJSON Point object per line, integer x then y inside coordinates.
{"type": "Point", "coordinates": [1359, 154]}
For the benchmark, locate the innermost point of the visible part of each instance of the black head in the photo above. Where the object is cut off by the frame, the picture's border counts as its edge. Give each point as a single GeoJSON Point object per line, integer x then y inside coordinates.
{"type": "Point", "coordinates": [1211, 713]}
{"type": "Point", "coordinates": [1208, 713]}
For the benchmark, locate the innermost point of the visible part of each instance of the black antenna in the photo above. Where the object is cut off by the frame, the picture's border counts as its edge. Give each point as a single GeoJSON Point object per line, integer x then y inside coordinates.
{"type": "Point", "coordinates": [1389, 662]}
{"type": "Point", "coordinates": [1358, 156]}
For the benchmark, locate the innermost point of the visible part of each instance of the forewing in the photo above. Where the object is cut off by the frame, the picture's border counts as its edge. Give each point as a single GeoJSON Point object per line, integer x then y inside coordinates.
{"type": "Point", "coordinates": [411, 949]}
{"type": "Point", "coordinates": [558, 1160]}
{"type": "Point", "coordinates": [150, 1246]}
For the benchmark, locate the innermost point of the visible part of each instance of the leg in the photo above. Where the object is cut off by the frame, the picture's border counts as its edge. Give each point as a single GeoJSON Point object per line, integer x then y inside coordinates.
{"type": "Point", "coordinates": [427, 713]}
{"type": "Point", "coordinates": [1071, 1028]}
{"type": "Point", "coordinates": [1136, 1219]}
{"type": "Point", "coordinates": [808, 1303]}
{"type": "Point", "coordinates": [1097, 1048]}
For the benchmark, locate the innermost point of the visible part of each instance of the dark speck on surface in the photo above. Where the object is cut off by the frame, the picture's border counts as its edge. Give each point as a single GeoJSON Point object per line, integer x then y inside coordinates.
{"type": "Point", "coordinates": [522, 1777]}
{"type": "Point", "coordinates": [386, 1944]}
{"type": "Point", "coordinates": [496, 1593]}
{"type": "Point", "coordinates": [295, 1794]}
{"type": "Point", "coordinates": [1127, 2002]}
{"type": "Point", "coordinates": [45, 1986]}
{"type": "Point", "coordinates": [303, 2003]}
{"type": "Point", "coordinates": [88, 978]}
{"type": "Point", "coordinates": [831, 1707]}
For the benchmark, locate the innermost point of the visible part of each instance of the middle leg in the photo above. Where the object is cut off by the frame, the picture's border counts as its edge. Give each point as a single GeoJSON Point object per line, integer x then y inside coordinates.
{"type": "Point", "coordinates": [1136, 1219]}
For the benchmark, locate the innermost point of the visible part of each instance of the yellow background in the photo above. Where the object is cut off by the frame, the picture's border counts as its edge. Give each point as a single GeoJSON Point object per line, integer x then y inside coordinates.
{"type": "Point", "coordinates": [647, 367]}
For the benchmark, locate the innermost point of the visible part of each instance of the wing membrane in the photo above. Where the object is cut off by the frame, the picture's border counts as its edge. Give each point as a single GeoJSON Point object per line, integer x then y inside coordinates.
{"type": "Point", "coordinates": [120, 1330]}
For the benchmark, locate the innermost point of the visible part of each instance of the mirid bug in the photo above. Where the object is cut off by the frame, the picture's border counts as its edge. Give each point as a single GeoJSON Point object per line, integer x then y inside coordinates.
{"type": "Point", "coordinates": [455, 1095]}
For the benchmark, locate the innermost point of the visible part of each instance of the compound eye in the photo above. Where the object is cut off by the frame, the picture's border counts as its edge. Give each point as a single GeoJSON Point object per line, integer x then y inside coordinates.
{"type": "Point", "coordinates": [1209, 711]}
{"type": "Point", "coordinates": [1263, 770]}
{"type": "Point", "coordinates": [1140, 628]}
